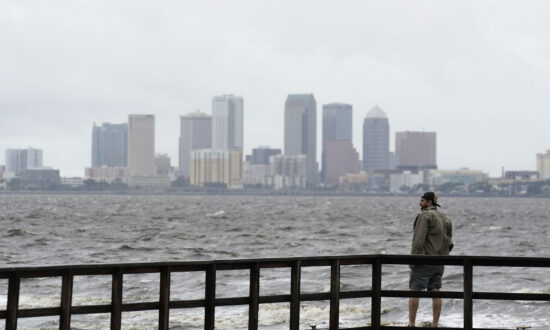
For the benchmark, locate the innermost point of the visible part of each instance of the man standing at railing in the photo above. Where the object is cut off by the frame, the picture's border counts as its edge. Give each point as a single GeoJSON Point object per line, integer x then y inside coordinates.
{"type": "Point", "coordinates": [432, 236]}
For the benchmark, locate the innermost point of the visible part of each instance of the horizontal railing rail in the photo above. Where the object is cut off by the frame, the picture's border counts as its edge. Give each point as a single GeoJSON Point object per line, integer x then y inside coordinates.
{"type": "Point", "coordinates": [165, 269]}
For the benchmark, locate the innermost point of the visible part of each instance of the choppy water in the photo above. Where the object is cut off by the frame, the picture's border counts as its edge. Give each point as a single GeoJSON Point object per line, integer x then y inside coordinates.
{"type": "Point", "coordinates": [65, 229]}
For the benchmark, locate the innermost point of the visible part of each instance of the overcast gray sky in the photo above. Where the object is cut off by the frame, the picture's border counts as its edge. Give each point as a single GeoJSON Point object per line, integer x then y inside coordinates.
{"type": "Point", "coordinates": [476, 72]}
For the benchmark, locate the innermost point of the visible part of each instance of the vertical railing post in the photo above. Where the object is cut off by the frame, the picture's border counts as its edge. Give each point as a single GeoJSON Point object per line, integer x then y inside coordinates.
{"type": "Point", "coordinates": [468, 295]}
{"type": "Point", "coordinates": [164, 299]}
{"type": "Point", "coordinates": [295, 275]}
{"type": "Point", "coordinates": [116, 299]}
{"type": "Point", "coordinates": [335, 294]}
{"type": "Point", "coordinates": [376, 303]}
{"type": "Point", "coordinates": [66, 300]}
{"type": "Point", "coordinates": [13, 301]}
{"type": "Point", "coordinates": [254, 294]}
{"type": "Point", "coordinates": [210, 298]}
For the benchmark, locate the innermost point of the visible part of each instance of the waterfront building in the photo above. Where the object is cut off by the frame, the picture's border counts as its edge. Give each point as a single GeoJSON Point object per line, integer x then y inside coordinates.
{"type": "Point", "coordinates": [256, 174]}
{"type": "Point", "coordinates": [227, 122]}
{"type": "Point", "coordinates": [416, 150]}
{"type": "Point", "coordinates": [405, 179]}
{"type": "Point", "coordinates": [107, 174]}
{"type": "Point", "coordinates": [110, 145]}
{"type": "Point", "coordinates": [353, 182]}
{"type": "Point", "coordinates": [262, 154]}
{"type": "Point", "coordinates": [2, 170]}
{"type": "Point", "coordinates": [543, 165]}
{"type": "Point", "coordinates": [20, 160]}
{"type": "Point", "coordinates": [141, 145]}
{"type": "Point", "coordinates": [40, 179]}
{"type": "Point", "coordinates": [195, 133]}
{"type": "Point", "coordinates": [163, 164]}
{"type": "Point", "coordinates": [341, 158]}
{"type": "Point", "coordinates": [211, 167]}
{"type": "Point", "coordinates": [463, 175]}
{"type": "Point", "coordinates": [337, 125]}
{"type": "Point", "coordinates": [301, 131]}
{"type": "Point", "coordinates": [288, 171]}
{"type": "Point", "coordinates": [376, 140]}
{"type": "Point", "coordinates": [521, 175]}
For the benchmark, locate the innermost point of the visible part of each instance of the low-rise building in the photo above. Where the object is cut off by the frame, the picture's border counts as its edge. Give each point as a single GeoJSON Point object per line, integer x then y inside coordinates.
{"type": "Point", "coordinates": [405, 179]}
{"type": "Point", "coordinates": [353, 182]}
{"type": "Point", "coordinates": [107, 174]}
{"type": "Point", "coordinates": [463, 175]}
{"type": "Point", "coordinates": [40, 179]}
{"type": "Point", "coordinates": [288, 171]}
{"type": "Point", "coordinates": [256, 174]}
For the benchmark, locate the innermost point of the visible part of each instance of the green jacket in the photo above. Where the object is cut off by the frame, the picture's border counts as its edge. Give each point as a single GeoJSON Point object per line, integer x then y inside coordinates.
{"type": "Point", "coordinates": [433, 233]}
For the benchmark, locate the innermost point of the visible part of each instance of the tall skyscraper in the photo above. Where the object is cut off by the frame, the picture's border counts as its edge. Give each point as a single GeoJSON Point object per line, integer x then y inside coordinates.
{"type": "Point", "coordinates": [195, 133]}
{"type": "Point", "coordinates": [337, 125]}
{"type": "Point", "coordinates": [20, 160]}
{"type": "Point", "coordinates": [376, 140]}
{"type": "Point", "coordinates": [110, 145]}
{"type": "Point", "coordinates": [301, 131]}
{"type": "Point", "coordinates": [141, 145]}
{"type": "Point", "coordinates": [227, 122]}
{"type": "Point", "coordinates": [416, 150]}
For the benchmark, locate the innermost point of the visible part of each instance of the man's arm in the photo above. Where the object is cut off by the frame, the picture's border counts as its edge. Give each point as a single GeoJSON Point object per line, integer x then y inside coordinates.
{"type": "Point", "coordinates": [419, 236]}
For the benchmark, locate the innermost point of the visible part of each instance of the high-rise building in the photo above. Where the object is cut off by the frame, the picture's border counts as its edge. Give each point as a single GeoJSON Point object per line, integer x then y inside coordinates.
{"type": "Point", "coordinates": [261, 155]}
{"type": "Point", "coordinates": [301, 131]}
{"type": "Point", "coordinates": [376, 140]}
{"type": "Point", "coordinates": [416, 150]}
{"type": "Point", "coordinates": [227, 122]}
{"type": "Point", "coordinates": [337, 125]}
{"type": "Point", "coordinates": [141, 145]}
{"type": "Point", "coordinates": [341, 158]}
{"type": "Point", "coordinates": [543, 165]}
{"type": "Point", "coordinates": [20, 160]}
{"type": "Point", "coordinates": [214, 167]}
{"type": "Point", "coordinates": [195, 133]}
{"type": "Point", "coordinates": [110, 145]}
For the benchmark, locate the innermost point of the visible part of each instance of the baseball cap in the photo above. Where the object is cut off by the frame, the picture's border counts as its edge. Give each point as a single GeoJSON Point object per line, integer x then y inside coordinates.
{"type": "Point", "coordinates": [430, 196]}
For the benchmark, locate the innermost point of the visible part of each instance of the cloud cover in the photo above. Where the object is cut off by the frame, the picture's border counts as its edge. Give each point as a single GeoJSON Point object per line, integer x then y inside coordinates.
{"type": "Point", "coordinates": [476, 72]}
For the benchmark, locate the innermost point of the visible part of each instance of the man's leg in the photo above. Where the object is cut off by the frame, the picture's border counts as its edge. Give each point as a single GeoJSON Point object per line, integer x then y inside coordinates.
{"type": "Point", "coordinates": [413, 308]}
{"type": "Point", "coordinates": [436, 309]}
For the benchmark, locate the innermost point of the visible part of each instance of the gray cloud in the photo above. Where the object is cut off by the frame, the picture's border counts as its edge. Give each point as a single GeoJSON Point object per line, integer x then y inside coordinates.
{"type": "Point", "coordinates": [477, 72]}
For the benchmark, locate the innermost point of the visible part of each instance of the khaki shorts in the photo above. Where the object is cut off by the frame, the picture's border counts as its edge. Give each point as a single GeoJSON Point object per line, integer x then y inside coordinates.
{"type": "Point", "coordinates": [426, 277]}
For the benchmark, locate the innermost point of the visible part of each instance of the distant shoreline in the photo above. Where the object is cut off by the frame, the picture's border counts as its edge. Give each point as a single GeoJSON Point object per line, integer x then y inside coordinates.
{"type": "Point", "coordinates": [245, 192]}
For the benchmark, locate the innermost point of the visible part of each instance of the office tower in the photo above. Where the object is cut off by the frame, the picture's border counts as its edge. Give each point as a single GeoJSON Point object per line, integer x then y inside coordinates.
{"type": "Point", "coordinates": [376, 140]}
{"type": "Point", "coordinates": [341, 158]}
{"type": "Point", "coordinates": [543, 165]}
{"type": "Point", "coordinates": [20, 160]}
{"type": "Point", "coordinates": [337, 125]}
{"type": "Point", "coordinates": [301, 131]}
{"type": "Point", "coordinates": [216, 167]}
{"type": "Point", "coordinates": [110, 145]}
{"type": "Point", "coordinates": [195, 133]}
{"type": "Point", "coordinates": [141, 145]}
{"type": "Point", "coordinates": [227, 122]}
{"type": "Point", "coordinates": [261, 155]}
{"type": "Point", "coordinates": [416, 150]}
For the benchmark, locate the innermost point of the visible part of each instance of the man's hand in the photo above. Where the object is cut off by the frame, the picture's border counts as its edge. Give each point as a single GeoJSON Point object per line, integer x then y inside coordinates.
{"type": "Point", "coordinates": [411, 266]}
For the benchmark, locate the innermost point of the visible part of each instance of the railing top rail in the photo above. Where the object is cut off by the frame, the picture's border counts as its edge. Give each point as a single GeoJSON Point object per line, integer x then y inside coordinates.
{"type": "Point", "coordinates": [385, 259]}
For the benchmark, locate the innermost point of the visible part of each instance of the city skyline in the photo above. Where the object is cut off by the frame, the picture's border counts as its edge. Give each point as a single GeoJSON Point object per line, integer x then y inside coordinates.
{"type": "Point", "coordinates": [474, 72]}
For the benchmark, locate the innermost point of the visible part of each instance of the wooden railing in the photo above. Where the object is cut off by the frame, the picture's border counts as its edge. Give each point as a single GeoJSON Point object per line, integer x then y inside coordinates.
{"type": "Point", "coordinates": [164, 304]}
